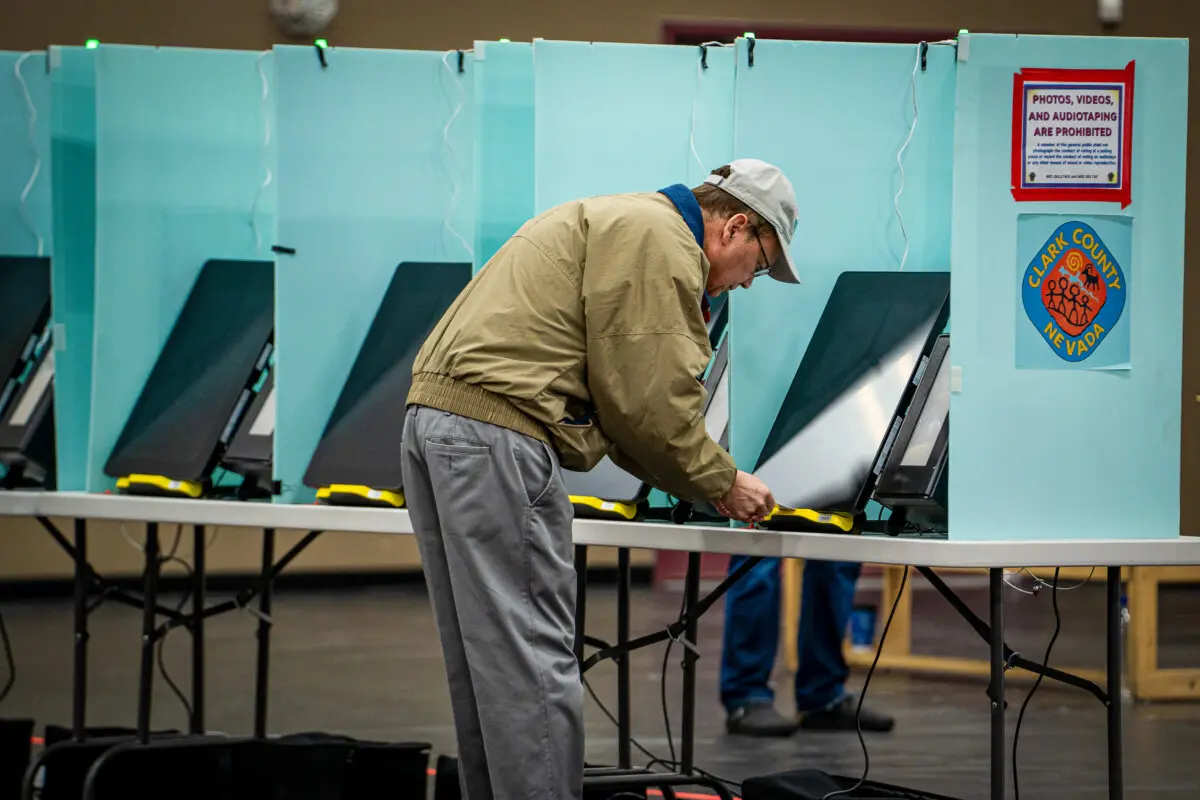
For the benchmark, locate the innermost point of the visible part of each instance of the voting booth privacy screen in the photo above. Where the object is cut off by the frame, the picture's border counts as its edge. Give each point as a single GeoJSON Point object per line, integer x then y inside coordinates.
{"type": "Point", "coordinates": [1016, 184]}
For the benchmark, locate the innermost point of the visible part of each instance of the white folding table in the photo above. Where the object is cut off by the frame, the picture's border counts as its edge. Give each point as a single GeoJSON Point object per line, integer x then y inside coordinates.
{"type": "Point", "coordinates": [923, 553]}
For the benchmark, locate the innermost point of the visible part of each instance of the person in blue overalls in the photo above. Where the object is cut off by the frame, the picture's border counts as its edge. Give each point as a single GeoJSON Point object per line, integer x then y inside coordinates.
{"type": "Point", "coordinates": [752, 610]}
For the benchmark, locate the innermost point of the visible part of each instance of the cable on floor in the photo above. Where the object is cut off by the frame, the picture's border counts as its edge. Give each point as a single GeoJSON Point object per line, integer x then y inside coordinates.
{"type": "Point", "coordinates": [672, 763]}
{"type": "Point", "coordinates": [863, 695]}
{"type": "Point", "coordinates": [1037, 683]}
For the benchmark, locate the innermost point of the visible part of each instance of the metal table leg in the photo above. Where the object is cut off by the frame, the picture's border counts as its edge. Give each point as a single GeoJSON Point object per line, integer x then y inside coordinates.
{"type": "Point", "coordinates": [197, 627]}
{"type": "Point", "coordinates": [690, 654]}
{"type": "Point", "coordinates": [1115, 772]}
{"type": "Point", "coordinates": [264, 635]}
{"type": "Point", "coordinates": [79, 670]}
{"type": "Point", "coordinates": [150, 598]}
{"type": "Point", "coordinates": [624, 701]}
{"type": "Point", "coordinates": [581, 557]}
{"type": "Point", "coordinates": [996, 601]}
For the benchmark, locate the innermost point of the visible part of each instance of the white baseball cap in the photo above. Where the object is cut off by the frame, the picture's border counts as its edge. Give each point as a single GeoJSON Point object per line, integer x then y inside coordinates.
{"type": "Point", "coordinates": [767, 192]}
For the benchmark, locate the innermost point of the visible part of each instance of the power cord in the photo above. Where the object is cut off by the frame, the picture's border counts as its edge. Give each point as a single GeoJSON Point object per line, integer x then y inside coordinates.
{"type": "Point", "coordinates": [863, 694]}
{"type": "Point", "coordinates": [900, 155]}
{"type": "Point", "coordinates": [8, 657]}
{"type": "Point", "coordinates": [654, 759]}
{"type": "Point", "coordinates": [700, 65]}
{"type": "Point", "coordinates": [266, 115]}
{"type": "Point", "coordinates": [1036, 683]}
{"type": "Point", "coordinates": [162, 666]}
{"type": "Point", "coordinates": [672, 763]}
{"type": "Point", "coordinates": [448, 145]}
{"type": "Point", "coordinates": [187, 594]}
{"type": "Point", "coordinates": [37, 156]}
{"type": "Point", "coordinates": [1038, 583]}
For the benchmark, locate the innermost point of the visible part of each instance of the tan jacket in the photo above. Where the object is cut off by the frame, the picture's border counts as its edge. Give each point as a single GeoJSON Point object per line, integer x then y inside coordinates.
{"type": "Point", "coordinates": [585, 330]}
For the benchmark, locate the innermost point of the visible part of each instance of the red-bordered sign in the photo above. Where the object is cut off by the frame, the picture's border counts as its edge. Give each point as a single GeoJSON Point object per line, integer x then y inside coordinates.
{"type": "Point", "coordinates": [1072, 135]}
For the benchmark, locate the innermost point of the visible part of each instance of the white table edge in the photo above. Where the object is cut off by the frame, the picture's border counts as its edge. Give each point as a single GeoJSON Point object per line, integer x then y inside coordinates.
{"type": "Point", "coordinates": [875, 549]}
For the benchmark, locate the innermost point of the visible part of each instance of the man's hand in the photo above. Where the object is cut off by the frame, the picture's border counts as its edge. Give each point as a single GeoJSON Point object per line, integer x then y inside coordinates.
{"type": "Point", "coordinates": [748, 501]}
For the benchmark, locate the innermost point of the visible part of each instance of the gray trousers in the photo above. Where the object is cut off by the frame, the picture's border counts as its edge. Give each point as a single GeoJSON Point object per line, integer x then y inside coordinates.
{"type": "Point", "coordinates": [493, 524]}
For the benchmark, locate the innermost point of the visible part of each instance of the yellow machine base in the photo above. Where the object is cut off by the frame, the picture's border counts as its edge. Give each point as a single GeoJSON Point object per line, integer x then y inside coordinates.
{"type": "Point", "coordinates": [809, 521]}
{"type": "Point", "coordinates": [158, 486]}
{"type": "Point", "coordinates": [343, 494]}
{"type": "Point", "coordinates": [595, 508]}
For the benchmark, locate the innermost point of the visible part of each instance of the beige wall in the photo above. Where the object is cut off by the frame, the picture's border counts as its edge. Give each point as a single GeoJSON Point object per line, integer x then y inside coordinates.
{"type": "Point", "coordinates": [244, 24]}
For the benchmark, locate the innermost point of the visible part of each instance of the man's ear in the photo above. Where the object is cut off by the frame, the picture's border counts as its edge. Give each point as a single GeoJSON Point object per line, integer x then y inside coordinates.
{"type": "Point", "coordinates": [736, 224]}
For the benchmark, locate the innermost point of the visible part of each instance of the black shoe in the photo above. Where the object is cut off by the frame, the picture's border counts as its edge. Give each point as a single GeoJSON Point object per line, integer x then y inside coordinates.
{"type": "Point", "coordinates": [840, 717]}
{"type": "Point", "coordinates": [759, 719]}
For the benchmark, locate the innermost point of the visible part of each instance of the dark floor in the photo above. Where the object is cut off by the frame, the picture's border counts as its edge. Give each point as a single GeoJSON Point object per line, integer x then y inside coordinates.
{"type": "Point", "coordinates": [366, 663]}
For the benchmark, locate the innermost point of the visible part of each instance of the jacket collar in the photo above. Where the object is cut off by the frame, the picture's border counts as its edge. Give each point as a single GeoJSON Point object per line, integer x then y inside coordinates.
{"type": "Point", "coordinates": [688, 208]}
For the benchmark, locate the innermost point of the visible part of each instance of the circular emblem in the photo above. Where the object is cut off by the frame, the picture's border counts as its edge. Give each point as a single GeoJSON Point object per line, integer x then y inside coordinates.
{"type": "Point", "coordinates": [1073, 291]}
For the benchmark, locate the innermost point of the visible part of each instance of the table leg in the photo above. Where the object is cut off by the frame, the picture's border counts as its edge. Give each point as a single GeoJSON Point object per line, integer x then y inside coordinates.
{"type": "Point", "coordinates": [624, 703]}
{"type": "Point", "coordinates": [197, 626]}
{"type": "Point", "coordinates": [581, 556]}
{"type": "Point", "coordinates": [79, 672]}
{"type": "Point", "coordinates": [150, 599]}
{"type": "Point", "coordinates": [264, 635]}
{"type": "Point", "coordinates": [996, 602]}
{"type": "Point", "coordinates": [1115, 773]}
{"type": "Point", "coordinates": [691, 598]}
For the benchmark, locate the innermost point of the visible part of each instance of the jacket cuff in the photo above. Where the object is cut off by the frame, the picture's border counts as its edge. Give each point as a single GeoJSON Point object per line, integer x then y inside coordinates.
{"type": "Point", "coordinates": [718, 482]}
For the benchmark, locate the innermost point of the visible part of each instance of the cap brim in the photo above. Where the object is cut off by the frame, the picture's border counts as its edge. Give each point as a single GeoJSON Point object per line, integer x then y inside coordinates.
{"type": "Point", "coordinates": [784, 268]}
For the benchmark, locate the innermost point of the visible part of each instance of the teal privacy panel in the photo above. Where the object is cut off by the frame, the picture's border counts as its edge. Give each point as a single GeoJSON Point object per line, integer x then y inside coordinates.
{"type": "Point", "coordinates": [504, 162]}
{"type": "Point", "coordinates": [619, 117]}
{"type": "Point", "coordinates": [181, 159]}
{"type": "Point", "coordinates": [375, 168]}
{"type": "Point", "coordinates": [1066, 453]}
{"type": "Point", "coordinates": [628, 118]}
{"type": "Point", "coordinates": [25, 227]}
{"type": "Point", "coordinates": [73, 155]}
{"type": "Point", "coordinates": [837, 138]}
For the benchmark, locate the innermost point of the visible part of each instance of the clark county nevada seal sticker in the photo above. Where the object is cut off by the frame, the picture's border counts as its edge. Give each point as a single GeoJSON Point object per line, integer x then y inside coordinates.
{"type": "Point", "coordinates": [1074, 291]}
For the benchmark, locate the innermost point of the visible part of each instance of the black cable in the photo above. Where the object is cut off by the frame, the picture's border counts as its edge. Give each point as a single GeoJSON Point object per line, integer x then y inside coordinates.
{"type": "Point", "coordinates": [862, 695]}
{"type": "Point", "coordinates": [8, 657]}
{"type": "Point", "coordinates": [174, 545]}
{"type": "Point", "coordinates": [683, 609]}
{"type": "Point", "coordinates": [1036, 683]}
{"type": "Point", "coordinates": [672, 764]}
{"type": "Point", "coordinates": [613, 720]}
{"type": "Point", "coordinates": [665, 708]}
{"type": "Point", "coordinates": [162, 666]}
{"type": "Point", "coordinates": [655, 760]}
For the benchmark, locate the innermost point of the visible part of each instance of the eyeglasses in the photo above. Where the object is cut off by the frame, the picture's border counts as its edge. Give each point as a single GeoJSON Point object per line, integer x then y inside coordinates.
{"type": "Point", "coordinates": [765, 269]}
